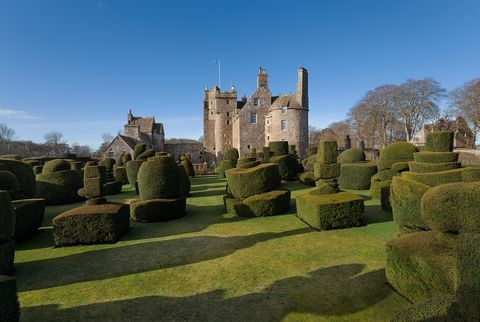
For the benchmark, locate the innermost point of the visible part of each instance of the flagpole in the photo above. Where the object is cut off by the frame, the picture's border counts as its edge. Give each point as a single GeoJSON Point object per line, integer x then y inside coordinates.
{"type": "Point", "coordinates": [219, 68]}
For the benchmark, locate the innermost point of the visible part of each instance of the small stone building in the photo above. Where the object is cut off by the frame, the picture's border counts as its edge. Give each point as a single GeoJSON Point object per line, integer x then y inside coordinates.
{"type": "Point", "coordinates": [463, 134]}
{"type": "Point", "coordinates": [250, 124]}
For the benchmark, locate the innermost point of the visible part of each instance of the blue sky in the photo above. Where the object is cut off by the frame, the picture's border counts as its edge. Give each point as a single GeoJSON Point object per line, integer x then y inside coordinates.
{"type": "Point", "coordinates": [78, 66]}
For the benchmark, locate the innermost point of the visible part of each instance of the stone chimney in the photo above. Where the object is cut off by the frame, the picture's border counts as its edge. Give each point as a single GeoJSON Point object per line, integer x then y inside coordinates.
{"type": "Point", "coordinates": [302, 87]}
{"type": "Point", "coordinates": [262, 78]}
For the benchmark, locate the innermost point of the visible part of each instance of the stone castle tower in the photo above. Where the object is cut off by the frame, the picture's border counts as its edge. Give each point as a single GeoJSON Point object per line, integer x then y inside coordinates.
{"type": "Point", "coordinates": [251, 124]}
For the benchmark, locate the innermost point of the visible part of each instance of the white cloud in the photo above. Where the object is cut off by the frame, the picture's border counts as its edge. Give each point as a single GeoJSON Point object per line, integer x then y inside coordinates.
{"type": "Point", "coordinates": [16, 114]}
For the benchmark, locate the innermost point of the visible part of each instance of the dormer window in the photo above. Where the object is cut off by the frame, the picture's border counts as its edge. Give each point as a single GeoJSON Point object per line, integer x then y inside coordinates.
{"type": "Point", "coordinates": [255, 101]}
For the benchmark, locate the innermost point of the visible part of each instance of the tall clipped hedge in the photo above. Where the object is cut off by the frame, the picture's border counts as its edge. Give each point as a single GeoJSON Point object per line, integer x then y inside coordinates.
{"type": "Point", "coordinates": [278, 148]}
{"type": "Point", "coordinates": [244, 183]}
{"type": "Point", "coordinates": [439, 141]}
{"type": "Point", "coordinates": [158, 178]}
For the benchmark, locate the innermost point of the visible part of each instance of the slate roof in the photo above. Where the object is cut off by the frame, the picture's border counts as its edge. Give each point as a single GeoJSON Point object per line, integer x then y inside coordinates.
{"type": "Point", "coordinates": [289, 100]}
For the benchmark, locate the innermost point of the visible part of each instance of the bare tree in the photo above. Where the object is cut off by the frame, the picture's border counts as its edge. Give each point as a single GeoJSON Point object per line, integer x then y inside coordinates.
{"type": "Point", "coordinates": [81, 150]}
{"type": "Point", "coordinates": [416, 102]}
{"type": "Point", "coordinates": [6, 134]}
{"type": "Point", "coordinates": [55, 140]}
{"type": "Point", "coordinates": [107, 137]}
{"type": "Point", "coordinates": [466, 100]}
{"type": "Point", "coordinates": [312, 135]}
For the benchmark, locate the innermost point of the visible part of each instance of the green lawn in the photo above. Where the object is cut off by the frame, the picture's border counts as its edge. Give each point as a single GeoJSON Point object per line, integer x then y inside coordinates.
{"type": "Point", "coordinates": [212, 266]}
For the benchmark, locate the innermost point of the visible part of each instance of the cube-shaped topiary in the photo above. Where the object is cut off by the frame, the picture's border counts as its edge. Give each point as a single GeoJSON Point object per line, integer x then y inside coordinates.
{"type": "Point", "coordinates": [260, 205]}
{"type": "Point", "coordinates": [278, 148]}
{"type": "Point", "coordinates": [327, 153]}
{"type": "Point", "coordinates": [378, 186]}
{"type": "Point", "coordinates": [326, 170]}
{"type": "Point", "coordinates": [156, 210]}
{"type": "Point", "coordinates": [436, 157]}
{"type": "Point", "coordinates": [439, 141]}
{"type": "Point", "coordinates": [244, 183]}
{"type": "Point", "coordinates": [424, 167]}
{"type": "Point", "coordinates": [109, 222]}
{"type": "Point", "coordinates": [405, 198]}
{"type": "Point", "coordinates": [351, 155]}
{"type": "Point", "coordinates": [307, 178]}
{"type": "Point", "coordinates": [421, 265]}
{"type": "Point", "coordinates": [356, 175]}
{"type": "Point", "coordinates": [330, 211]}
{"type": "Point", "coordinates": [10, 307]}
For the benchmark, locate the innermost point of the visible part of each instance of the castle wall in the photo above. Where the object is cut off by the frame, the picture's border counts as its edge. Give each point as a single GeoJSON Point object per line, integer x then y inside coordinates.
{"type": "Point", "coordinates": [179, 149]}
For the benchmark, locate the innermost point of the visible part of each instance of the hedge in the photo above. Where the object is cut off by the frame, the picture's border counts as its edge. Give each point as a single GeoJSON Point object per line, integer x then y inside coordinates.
{"type": "Point", "coordinates": [398, 151]}
{"type": "Point", "coordinates": [108, 163]}
{"type": "Point", "coordinates": [113, 188]}
{"type": "Point", "coordinates": [126, 157]}
{"type": "Point", "coordinates": [244, 183]}
{"type": "Point", "coordinates": [278, 148]}
{"type": "Point", "coordinates": [307, 178]}
{"type": "Point", "coordinates": [10, 307]}
{"type": "Point", "coordinates": [187, 164]}
{"type": "Point", "coordinates": [386, 175]}
{"type": "Point", "coordinates": [158, 178]}
{"type": "Point", "coordinates": [224, 166]}
{"type": "Point", "coordinates": [139, 149]}
{"type": "Point", "coordinates": [25, 177]}
{"type": "Point", "coordinates": [156, 210]}
{"type": "Point", "coordinates": [326, 171]}
{"type": "Point", "coordinates": [470, 174]}
{"type": "Point", "coordinates": [245, 160]}
{"type": "Point", "coordinates": [266, 154]}
{"type": "Point", "coordinates": [405, 198]}
{"type": "Point", "coordinates": [29, 215]}
{"type": "Point", "coordinates": [8, 181]}
{"type": "Point", "coordinates": [385, 197]}
{"type": "Point", "coordinates": [435, 178]}
{"type": "Point", "coordinates": [377, 188]}
{"type": "Point", "coordinates": [309, 162]}
{"type": "Point", "coordinates": [270, 203]}
{"type": "Point", "coordinates": [330, 211]}
{"type": "Point", "coordinates": [388, 164]}
{"type": "Point", "coordinates": [146, 154]}
{"type": "Point", "coordinates": [421, 265]}
{"type": "Point", "coordinates": [324, 188]}
{"type": "Point", "coordinates": [327, 152]}
{"type": "Point", "coordinates": [7, 216]}
{"type": "Point", "coordinates": [37, 169]}
{"type": "Point", "coordinates": [120, 174]}
{"type": "Point", "coordinates": [468, 276]}
{"type": "Point", "coordinates": [132, 171]}
{"type": "Point", "coordinates": [439, 141]}
{"type": "Point", "coordinates": [312, 150]}
{"type": "Point", "coordinates": [287, 166]}
{"type": "Point", "coordinates": [438, 308]}
{"type": "Point", "coordinates": [400, 166]}
{"type": "Point", "coordinates": [246, 165]}
{"type": "Point", "coordinates": [7, 255]}
{"type": "Point", "coordinates": [423, 167]}
{"type": "Point", "coordinates": [452, 207]}
{"type": "Point", "coordinates": [292, 149]}
{"type": "Point", "coordinates": [351, 155]}
{"type": "Point", "coordinates": [436, 157]}
{"type": "Point", "coordinates": [94, 171]}
{"type": "Point", "coordinates": [231, 154]}
{"type": "Point", "coordinates": [356, 175]}
{"type": "Point", "coordinates": [91, 224]}
{"type": "Point", "coordinates": [56, 165]}
{"type": "Point", "coordinates": [184, 182]}
{"type": "Point", "coordinates": [59, 187]}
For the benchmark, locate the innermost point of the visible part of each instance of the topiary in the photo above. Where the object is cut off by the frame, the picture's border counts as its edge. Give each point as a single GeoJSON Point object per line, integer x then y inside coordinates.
{"type": "Point", "coordinates": [8, 181]}
{"type": "Point", "coordinates": [356, 175]}
{"type": "Point", "coordinates": [260, 205]}
{"type": "Point", "coordinates": [231, 154]}
{"type": "Point", "coordinates": [287, 166]}
{"type": "Point", "coordinates": [351, 155]}
{"type": "Point", "coordinates": [139, 149]}
{"type": "Point", "coordinates": [146, 154]}
{"type": "Point", "coordinates": [187, 164]}
{"type": "Point", "coordinates": [108, 163]}
{"type": "Point", "coordinates": [10, 308]}
{"type": "Point", "coordinates": [439, 141]}
{"type": "Point", "coordinates": [266, 154]}
{"type": "Point", "coordinates": [132, 168]}
{"type": "Point", "coordinates": [224, 166]}
{"type": "Point", "coordinates": [120, 174]}
{"type": "Point", "coordinates": [327, 153]}
{"type": "Point", "coordinates": [157, 209]}
{"type": "Point", "coordinates": [435, 178]}
{"type": "Point", "coordinates": [312, 150]}
{"type": "Point", "coordinates": [59, 187]}
{"type": "Point", "coordinates": [326, 170]}
{"type": "Point", "coordinates": [126, 157]}
{"type": "Point", "coordinates": [423, 167]}
{"type": "Point", "coordinates": [436, 157]}
{"type": "Point", "coordinates": [55, 166]}
{"type": "Point", "coordinates": [7, 217]}
{"type": "Point", "coordinates": [278, 148]}
{"type": "Point", "coordinates": [29, 214]}
{"type": "Point", "coordinates": [244, 183]}
{"type": "Point", "coordinates": [25, 177]}
{"type": "Point", "coordinates": [184, 182]}
{"type": "Point", "coordinates": [158, 178]}
{"type": "Point", "coordinates": [398, 151]}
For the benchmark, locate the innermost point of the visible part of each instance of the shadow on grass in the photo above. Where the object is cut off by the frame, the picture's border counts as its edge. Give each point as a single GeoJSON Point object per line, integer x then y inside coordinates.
{"type": "Point", "coordinates": [331, 291]}
{"type": "Point", "coordinates": [131, 259]}
{"type": "Point", "coordinates": [208, 193]}
{"type": "Point", "coordinates": [375, 214]}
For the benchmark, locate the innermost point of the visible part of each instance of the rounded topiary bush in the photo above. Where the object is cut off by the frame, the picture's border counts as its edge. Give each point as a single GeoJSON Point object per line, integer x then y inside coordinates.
{"type": "Point", "coordinates": [158, 178]}
{"type": "Point", "coordinates": [59, 187]}
{"type": "Point", "coordinates": [139, 149]}
{"type": "Point", "coordinates": [56, 165]}
{"type": "Point", "coordinates": [312, 150]}
{"type": "Point", "coordinates": [108, 163]}
{"type": "Point", "coordinates": [278, 148]}
{"type": "Point", "coordinates": [244, 183]}
{"type": "Point", "coordinates": [132, 168]}
{"type": "Point", "coordinates": [187, 164]}
{"type": "Point", "coordinates": [470, 174]}
{"type": "Point", "coordinates": [25, 177]}
{"type": "Point", "coordinates": [8, 181]}
{"type": "Point", "coordinates": [439, 141]}
{"type": "Point", "coordinates": [146, 154]}
{"type": "Point", "coordinates": [120, 174]}
{"type": "Point", "coordinates": [452, 207]}
{"type": "Point", "coordinates": [287, 166]}
{"type": "Point", "coordinates": [231, 154]}
{"type": "Point", "coordinates": [351, 155]}
{"type": "Point", "coordinates": [356, 175]}
{"type": "Point", "coordinates": [126, 157]}
{"type": "Point", "coordinates": [184, 182]}
{"type": "Point", "coordinates": [398, 151]}
{"type": "Point", "coordinates": [224, 166]}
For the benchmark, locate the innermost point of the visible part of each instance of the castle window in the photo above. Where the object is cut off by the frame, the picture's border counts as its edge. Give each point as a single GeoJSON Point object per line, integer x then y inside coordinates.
{"type": "Point", "coordinates": [253, 118]}
{"type": "Point", "coordinates": [211, 113]}
{"type": "Point", "coordinates": [284, 110]}
{"type": "Point", "coordinates": [255, 101]}
{"type": "Point", "coordinates": [248, 146]}
{"type": "Point", "coordinates": [228, 122]}
{"type": "Point", "coordinates": [228, 101]}
{"type": "Point", "coordinates": [283, 124]}
{"type": "Point", "coordinates": [228, 114]}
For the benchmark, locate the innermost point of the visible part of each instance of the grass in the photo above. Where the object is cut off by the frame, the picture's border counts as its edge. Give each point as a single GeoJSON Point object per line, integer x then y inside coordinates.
{"type": "Point", "coordinates": [212, 266]}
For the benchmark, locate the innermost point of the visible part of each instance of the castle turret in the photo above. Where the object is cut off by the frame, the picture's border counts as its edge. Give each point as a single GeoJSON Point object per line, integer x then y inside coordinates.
{"type": "Point", "coordinates": [302, 87]}
{"type": "Point", "coordinates": [262, 78]}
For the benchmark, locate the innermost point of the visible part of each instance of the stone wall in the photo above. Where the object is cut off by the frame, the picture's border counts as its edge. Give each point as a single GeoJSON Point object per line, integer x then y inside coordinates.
{"type": "Point", "coordinates": [469, 156]}
{"type": "Point", "coordinates": [179, 149]}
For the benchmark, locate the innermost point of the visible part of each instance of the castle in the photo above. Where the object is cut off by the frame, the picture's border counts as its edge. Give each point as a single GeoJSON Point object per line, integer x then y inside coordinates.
{"type": "Point", "coordinates": [249, 125]}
